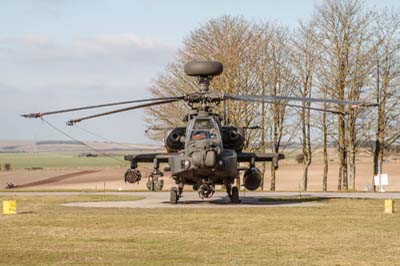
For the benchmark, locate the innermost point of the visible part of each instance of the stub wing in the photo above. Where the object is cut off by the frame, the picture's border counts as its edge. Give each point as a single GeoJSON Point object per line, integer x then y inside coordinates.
{"type": "Point", "coordinates": [147, 158]}
{"type": "Point", "coordinates": [253, 157]}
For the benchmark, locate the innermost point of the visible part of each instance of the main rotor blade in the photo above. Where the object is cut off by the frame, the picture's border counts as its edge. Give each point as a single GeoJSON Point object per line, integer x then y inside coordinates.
{"type": "Point", "coordinates": [37, 115]}
{"type": "Point", "coordinates": [268, 98]}
{"type": "Point", "coordinates": [75, 121]}
{"type": "Point", "coordinates": [315, 109]}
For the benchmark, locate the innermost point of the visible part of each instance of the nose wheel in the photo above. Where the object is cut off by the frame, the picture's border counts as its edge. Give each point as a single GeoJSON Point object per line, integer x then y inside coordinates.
{"type": "Point", "coordinates": [176, 193]}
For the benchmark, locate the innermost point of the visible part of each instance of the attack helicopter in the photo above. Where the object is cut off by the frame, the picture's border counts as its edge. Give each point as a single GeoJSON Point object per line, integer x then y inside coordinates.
{"type": "Point", "coordinates": [206, 152]}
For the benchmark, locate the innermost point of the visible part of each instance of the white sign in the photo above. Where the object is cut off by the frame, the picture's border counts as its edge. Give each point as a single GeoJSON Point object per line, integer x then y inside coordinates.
{"type": "Point", "coordinates": [383, 180]}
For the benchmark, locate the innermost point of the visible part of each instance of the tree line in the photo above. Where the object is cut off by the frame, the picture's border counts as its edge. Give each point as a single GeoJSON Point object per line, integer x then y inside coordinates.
{"type": "Point", "coordinates": [345, 51]}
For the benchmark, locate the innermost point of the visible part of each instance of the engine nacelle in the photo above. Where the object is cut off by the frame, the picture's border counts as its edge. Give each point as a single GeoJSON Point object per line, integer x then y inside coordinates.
{"type": "Point", "coordinates": [233, 138]}
{"type": "Point", "coordinates": [252, 178]}
{"type": "Point", "coordinates": [175, 139]}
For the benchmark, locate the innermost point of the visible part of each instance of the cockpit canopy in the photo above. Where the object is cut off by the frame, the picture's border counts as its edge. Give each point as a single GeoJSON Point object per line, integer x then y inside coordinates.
{"type": "Point", "coordinates": [204, 128]}
{"type": "Point", "coordinates": [203, 123]}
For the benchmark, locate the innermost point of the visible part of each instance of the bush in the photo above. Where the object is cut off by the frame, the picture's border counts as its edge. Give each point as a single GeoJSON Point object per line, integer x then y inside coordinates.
{"type": "Point", "coordinates": [7, 167]}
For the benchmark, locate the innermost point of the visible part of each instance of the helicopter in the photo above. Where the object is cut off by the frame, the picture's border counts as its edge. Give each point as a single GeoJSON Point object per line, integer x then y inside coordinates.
{"type": "Point", "coordinates": [206, 152]}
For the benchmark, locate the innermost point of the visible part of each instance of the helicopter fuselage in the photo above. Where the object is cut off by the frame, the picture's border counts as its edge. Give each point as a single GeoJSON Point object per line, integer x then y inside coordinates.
{"type": "Point", "coordinates": [203, 154]}
{"type": "Point", "coordinates": [204, 158]}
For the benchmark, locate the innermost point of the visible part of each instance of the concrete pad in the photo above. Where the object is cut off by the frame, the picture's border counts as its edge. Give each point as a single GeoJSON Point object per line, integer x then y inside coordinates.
{"type": "Point", "coordinates": [191, 200]}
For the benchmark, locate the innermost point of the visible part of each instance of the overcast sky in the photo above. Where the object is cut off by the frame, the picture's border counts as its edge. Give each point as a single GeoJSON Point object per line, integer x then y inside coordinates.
{"type": "Point", "coordinates": [59, 54]}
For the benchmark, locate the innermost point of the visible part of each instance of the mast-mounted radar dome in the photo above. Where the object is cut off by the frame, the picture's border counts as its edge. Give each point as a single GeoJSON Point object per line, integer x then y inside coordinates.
{"type": "Point", "coordinates": [203, 68]}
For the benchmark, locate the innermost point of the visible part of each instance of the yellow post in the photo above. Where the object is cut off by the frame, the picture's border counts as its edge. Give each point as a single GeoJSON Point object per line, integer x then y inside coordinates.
{"type": "Point", "coordinates": [389, 206]}
{"type": "Point", "coordinates": [9, 207]}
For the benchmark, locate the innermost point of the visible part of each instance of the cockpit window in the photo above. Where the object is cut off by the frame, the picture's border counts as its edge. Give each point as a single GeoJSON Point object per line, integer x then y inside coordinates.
{"type": "Point", "coordinates": [199, 135]}
{"type": "Point", "coordinates": [203, 134]}
{"type": "Point", "coordinates": [203, 124]}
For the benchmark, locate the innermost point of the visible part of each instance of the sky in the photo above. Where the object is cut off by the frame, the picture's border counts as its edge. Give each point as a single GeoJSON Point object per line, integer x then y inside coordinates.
{"type": "Point", "coordinates": [57, 54]}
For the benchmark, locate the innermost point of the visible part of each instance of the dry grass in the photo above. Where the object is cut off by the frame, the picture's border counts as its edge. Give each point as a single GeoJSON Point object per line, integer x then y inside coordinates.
{"type": "Point", "coordinates": [340, 232]}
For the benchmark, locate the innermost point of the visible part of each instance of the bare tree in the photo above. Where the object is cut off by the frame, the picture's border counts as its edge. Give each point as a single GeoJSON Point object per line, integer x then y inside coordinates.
{"type": "Point", "coordinates": [230, 40]}
{"type": "Point", "coordinates": [277, 79]}
{"type": "Point", "coordinates": [304, 61]}
{"type": "Point", "coordinates": [386, 79]}
{"type": "Point", "coordinates": [360, 69]}
{"type": "Point", "coordinates": [341, 26]}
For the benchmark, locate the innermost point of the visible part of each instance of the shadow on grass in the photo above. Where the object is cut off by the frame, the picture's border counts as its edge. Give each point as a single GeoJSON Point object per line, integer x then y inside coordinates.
{"type": "Point", "coordinates": [260, 201]}
{"type": "Point", "coordinates": [292, 199]}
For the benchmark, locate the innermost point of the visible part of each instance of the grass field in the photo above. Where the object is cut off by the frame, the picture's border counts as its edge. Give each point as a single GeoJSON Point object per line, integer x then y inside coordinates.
{"type": "Point", "coordinates": [58, 160]}
{"type": "Point", "coordinates": [338, 232]}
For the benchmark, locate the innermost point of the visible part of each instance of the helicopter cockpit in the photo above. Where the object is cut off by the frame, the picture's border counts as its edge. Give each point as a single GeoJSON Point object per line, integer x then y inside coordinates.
{"type": "Point", "coordinates": [204, 128]}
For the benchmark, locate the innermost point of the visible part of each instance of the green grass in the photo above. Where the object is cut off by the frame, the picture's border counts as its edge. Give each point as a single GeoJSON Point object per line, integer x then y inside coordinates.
{"type": "Point", "coordinates": [57, 160]}
{"type": "Point", "coordinates": [337, 232]}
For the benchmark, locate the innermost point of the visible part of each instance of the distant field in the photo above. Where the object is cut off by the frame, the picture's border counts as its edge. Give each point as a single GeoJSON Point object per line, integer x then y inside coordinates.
{"type": "Point", "coordinates": [58, 160]}
{"type": "Point", "coordinates": [339, 232]}
{"type": "Point", "coordinates": [110, 171]}
{"type": "Point", "coordinates": [70, 159]}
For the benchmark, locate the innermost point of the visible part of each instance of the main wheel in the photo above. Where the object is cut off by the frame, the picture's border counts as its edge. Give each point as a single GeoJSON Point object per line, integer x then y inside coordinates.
{"type": "Point", "coordinates": [158, 185]}
{"type": "Point", "coordinates": [235, 195]}
{"type": "Point", "coordinates": [173, 196]}
{"type": "Point", "coordinates": [150, 185]}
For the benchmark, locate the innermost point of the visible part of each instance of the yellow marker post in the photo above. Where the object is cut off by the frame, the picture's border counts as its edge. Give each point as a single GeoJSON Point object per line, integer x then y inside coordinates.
{"type": "Point", "coordinates": [9, 207]}
{"type": "Point", "coordinates": [389, 206]}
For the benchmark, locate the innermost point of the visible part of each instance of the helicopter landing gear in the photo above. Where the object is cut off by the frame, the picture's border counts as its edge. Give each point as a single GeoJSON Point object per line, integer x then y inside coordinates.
{"type": "Point", "coordinates": [153, 182]}
{"type": "Point", "coordinates": [176, 193]}
{"type": "Point", "coordinates": [233, 192]}
{"type": "Point", "coordinates": [235, 195]}
{"type": "Point", "coordinates": [180, 189]}
{"type": "Point", "coordinates": [173, 198]}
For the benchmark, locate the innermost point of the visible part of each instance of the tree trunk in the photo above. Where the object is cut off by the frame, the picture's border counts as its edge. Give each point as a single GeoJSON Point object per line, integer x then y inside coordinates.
{"type": "Point", "coordinates": [352, 165]}
{"type": "Point", "coordinates": [325, 144]}
{"type": "Point", "coordinates": [307, 152]}
{"type": "Point", "coordinates": [342, 152]}
{"type": "Point", "coordinates": [352, 149]}
{"type": "Point", "coordinates": [326, 167]}
{"type": "Point", "coordinates": [263, 134]}
{"type": "Point", "coordinates": [305, 177]}
{"type": "Point", "coordinates": [272, 177]}
{"type": "Point", "coordinates": [379, 142]}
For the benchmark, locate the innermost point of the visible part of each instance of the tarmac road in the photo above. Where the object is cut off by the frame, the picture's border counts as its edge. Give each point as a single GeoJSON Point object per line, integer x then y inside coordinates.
{"type": "Point", "coordinates": [191, 199]}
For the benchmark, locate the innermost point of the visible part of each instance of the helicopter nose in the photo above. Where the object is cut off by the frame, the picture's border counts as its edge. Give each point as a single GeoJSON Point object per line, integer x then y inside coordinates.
{"type": "Point", "coordinates": [205, 158]}
{"type": "Point", "coordinates": [210, 159]}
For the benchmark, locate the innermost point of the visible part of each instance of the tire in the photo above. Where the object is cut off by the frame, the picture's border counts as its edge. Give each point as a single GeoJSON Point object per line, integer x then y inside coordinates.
{"type": "Point", "coordinates": [235, 195]}
{"type": "Point", "coordinates": [173, 196]}
{"type": "Point", "coordinates": [150, 185]}
{"type": "Point", "coordinates": [158, 185]}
